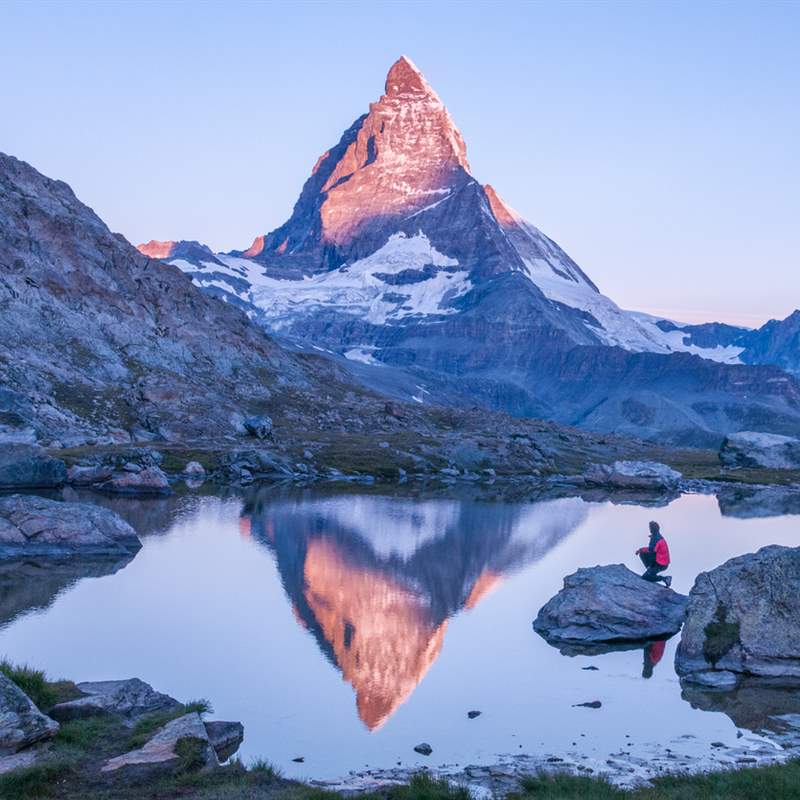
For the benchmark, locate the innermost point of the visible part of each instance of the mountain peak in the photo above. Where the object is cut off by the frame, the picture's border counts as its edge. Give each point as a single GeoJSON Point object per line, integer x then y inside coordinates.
{"type": "Point", "coordinates": [404, 77]}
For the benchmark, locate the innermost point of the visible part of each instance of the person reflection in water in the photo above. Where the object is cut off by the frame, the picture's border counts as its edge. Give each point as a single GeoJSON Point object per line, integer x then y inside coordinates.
{"type": "Point", "coordinates": [655, 556]}
{"type": "Point", "coordinates": [652, 655]}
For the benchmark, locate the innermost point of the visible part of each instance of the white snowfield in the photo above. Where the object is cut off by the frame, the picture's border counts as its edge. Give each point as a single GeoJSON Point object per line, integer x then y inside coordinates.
{"type": "Point", "coordinates": [361, 290]}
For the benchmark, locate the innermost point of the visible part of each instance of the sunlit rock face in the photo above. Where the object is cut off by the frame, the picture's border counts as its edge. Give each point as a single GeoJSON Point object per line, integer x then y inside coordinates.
{"type": "Point", "coordinates": [375, 580]}
{"type": "Point", "coordinates": [431, 288]}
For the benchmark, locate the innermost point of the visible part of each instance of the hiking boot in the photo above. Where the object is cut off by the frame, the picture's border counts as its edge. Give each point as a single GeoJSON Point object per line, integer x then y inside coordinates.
{"type": "Point", "coordinates": [667, 581]}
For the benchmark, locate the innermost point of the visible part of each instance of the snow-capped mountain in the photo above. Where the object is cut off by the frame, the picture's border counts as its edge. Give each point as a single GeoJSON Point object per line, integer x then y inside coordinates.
{"type": "Point", "coordinates": [396, 256]}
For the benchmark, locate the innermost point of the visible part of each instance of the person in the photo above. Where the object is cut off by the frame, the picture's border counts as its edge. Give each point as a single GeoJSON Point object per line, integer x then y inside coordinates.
{"type": "Point", "coordinates": [652, 655]}
{"type": "Point", "coordinates": [655, 556]}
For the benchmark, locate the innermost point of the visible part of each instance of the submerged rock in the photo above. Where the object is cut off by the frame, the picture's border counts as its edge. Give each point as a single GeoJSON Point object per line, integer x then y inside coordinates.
{"type": "Point", "coordinates": [609, 604]}
{"type": "Point", "coordinates": [35, 526]}
{"type": "Point", "coordinates": [21, 723]}
{"type": "Point", "coordinates": [131, 698]}
{"type": "Point", "coordinates": [634, 475]}
{"type": "Point", "coordinates": [743, 619]}
{"type": "Point", "coordinates": [27, 467]}
{"type": "Point", "coordinates": [760, 450]}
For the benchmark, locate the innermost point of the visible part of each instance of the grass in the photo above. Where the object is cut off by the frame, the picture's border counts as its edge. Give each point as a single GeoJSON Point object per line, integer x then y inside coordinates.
{"type": "Point", "coordinates": [44, 693]}
{"type": "Point", "coordinates": [778, 782]}
{"type": "Point", "coordinates": [721, 636]}
{"type": "Point", "coordinates": [36, 782]}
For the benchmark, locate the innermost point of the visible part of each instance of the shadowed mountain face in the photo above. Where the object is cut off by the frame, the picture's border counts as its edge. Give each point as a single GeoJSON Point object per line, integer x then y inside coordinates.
{"type": "Point", "coordinates": [375, 580]}
{"type": "Point", "coordinates": [397, 261]}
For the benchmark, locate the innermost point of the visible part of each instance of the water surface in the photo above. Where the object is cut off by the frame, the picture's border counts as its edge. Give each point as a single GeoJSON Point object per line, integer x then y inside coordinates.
{"type": "Point", "coordinates": [347, 629]}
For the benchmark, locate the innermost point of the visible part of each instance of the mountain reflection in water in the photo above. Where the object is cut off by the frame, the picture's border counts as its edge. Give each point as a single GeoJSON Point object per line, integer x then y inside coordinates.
{"type": "Point", "coordinates": [375, 580]}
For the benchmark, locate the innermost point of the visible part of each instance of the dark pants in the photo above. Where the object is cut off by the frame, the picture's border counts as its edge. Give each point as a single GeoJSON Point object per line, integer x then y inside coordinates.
{"type": "Point", "coordinates": [651, 573]}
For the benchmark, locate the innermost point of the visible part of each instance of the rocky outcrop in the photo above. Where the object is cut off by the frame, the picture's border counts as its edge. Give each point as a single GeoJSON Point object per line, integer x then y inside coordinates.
{"type": "Point", "coordinates": [608, 604]}
{"type": "Point", "coordinates": [21, 723]}
{"type": "Point", "coordinates": [131, 698]}
{"type": "Point", "coordinates": [150, 480]}
{"type": "Point", "coordinates": [634, 475]}
{"type": "Point", "coordinates": [34, 526]}
{"type": "Point", "coordinates": [260, 427]}
{"type": "Point", "coordinates": [225, 737]}
{"type": "Point", "coordinates": [165, 745]}
{"type": "Point", "coordinates": [27, 467]}
{"type": "Point", "coordinates": [760, 450]}
{"type": "Point", "coordinates": [743, 620]}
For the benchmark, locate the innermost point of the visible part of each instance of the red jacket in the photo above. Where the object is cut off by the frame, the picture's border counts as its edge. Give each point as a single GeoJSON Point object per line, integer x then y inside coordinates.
{"type": "Point", "coordinates": [662, 552]}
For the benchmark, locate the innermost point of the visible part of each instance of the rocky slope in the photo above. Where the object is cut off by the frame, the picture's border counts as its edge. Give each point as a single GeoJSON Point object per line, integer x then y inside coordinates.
{"type": "Point", "coordinates": [398, 262]}
{"type": "Point", "coordinates": [104, 346]}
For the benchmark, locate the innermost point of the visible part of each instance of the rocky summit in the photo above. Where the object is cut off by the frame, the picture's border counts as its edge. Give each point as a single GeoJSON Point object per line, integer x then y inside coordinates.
{"type": "Point", "coordinates": [399, 263]}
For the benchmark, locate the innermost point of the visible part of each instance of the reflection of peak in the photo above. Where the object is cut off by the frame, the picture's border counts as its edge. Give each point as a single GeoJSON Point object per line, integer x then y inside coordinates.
{"type": "Point", "coordinates": [381, 633]}
{"type": "Point", "coordinates": [375, 579]}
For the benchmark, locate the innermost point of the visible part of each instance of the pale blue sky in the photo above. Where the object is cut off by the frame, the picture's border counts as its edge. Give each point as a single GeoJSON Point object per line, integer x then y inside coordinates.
{"type": "Point", "coordinates": [656, 142]}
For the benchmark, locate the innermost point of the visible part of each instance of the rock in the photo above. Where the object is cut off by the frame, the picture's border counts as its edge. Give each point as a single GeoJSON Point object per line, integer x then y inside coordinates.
{"type": "Point", "coordinates": [130, 698]}
{"type": "Point", "coordinates": [744, 617]}
{"type": "Point", "coordinates": [130, 466]}
{"type": "Point", "coordinates": [35, 526]}
{"type": "Point", "coordinates": [423, 749]}
{"type": "Point", "coordinates": [150, 480]}
{"type": "Point", "coordinates": [26, 467]}
{"type": "Point", "coordinates": [194, 468]}
{"type": "Point", "coordinates": [260, 427]}
{"type": "Point", "coordinates": [764, 450]}
{"type": "Point", "coordinates": [473, 714]}
{"type": "Point", "coordinates": [225, 737]}
{"type": "Point", "coordinates": [590, 668]}
{"type": "Point", "coordinates": [590, 704]}
{"type": "Point", "coordinates": [21, 723]}
{"type": "Point", "coordinates": [88, 475]}
{"type": "Point", "coordinates": [162, 747]}
{"type": "Point", "coordinates": [634, 475]}
{"type": "Point", "coordinates": [610, 604]}
{"type": "Point", "coordinates": [299, 760]}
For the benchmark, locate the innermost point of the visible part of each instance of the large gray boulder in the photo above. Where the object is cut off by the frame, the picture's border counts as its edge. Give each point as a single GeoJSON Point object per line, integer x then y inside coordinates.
{"type": "Point", "coordinates": [743, 620]}
{"type": "Point", "coordinates": [164, 745]}
{"type": "Point", "coordinates": [131, 698]}
{"type": "Point", "coordinates": [21, 723]}
{"type": "Point", "coordinates": [35, 526]}
{"type": "Point", "coordinates": [26, 467]}
{"type": "Point", "coordinates": [610, 604]}
{"type": "Point", "coordinates": [764, 450]}
{"type": "Point", "coordinates": [634, 475]}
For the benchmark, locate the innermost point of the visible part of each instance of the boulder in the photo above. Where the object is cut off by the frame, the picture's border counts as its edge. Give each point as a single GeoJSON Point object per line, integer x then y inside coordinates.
{"type": "Point", "coordinates": [150, 480]}
{"type": "Point", "coordinates": [130, 698]}
{"type": "Point", "coordinates": [89, 474]}
{"type": "Point", "coordinates": [609, 604]}
{"type": "Point", "coordinates": [35, 526]}
{"type": "Point", "coordinates": [194, 468]}
{"type": "Point", "coordinates": [760, 450]}
{"type": "Point", "coordinates": [634, 475]}
{"type": "Point", "coordinates": [26, 467]}
{"type": "Point", "coordinates": [743, 620]}
{"type": "Point", "coordinates": [21, 723]}
{"type": "Point", "coordinates": [225, 737]}
{"type": "Point", "coordinates": [165, 745]}
{"type": "Point", "coordinates": [260, 427]}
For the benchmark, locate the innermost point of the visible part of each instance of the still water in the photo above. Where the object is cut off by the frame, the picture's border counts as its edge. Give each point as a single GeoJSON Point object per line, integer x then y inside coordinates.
{"type": "Point", "coordinates": [348, 628]}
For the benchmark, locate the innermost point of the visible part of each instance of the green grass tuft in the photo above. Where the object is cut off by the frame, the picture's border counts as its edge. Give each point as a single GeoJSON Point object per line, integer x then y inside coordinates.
{"type": "Point", "coordinates": [33, 682]}
{"type": "Point", "coordinates": [36, 782]}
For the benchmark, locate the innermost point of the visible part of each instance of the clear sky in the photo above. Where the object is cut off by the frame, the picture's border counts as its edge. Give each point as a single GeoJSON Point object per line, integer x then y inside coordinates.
{"type": "Point", "coordinates": [656, 142]}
